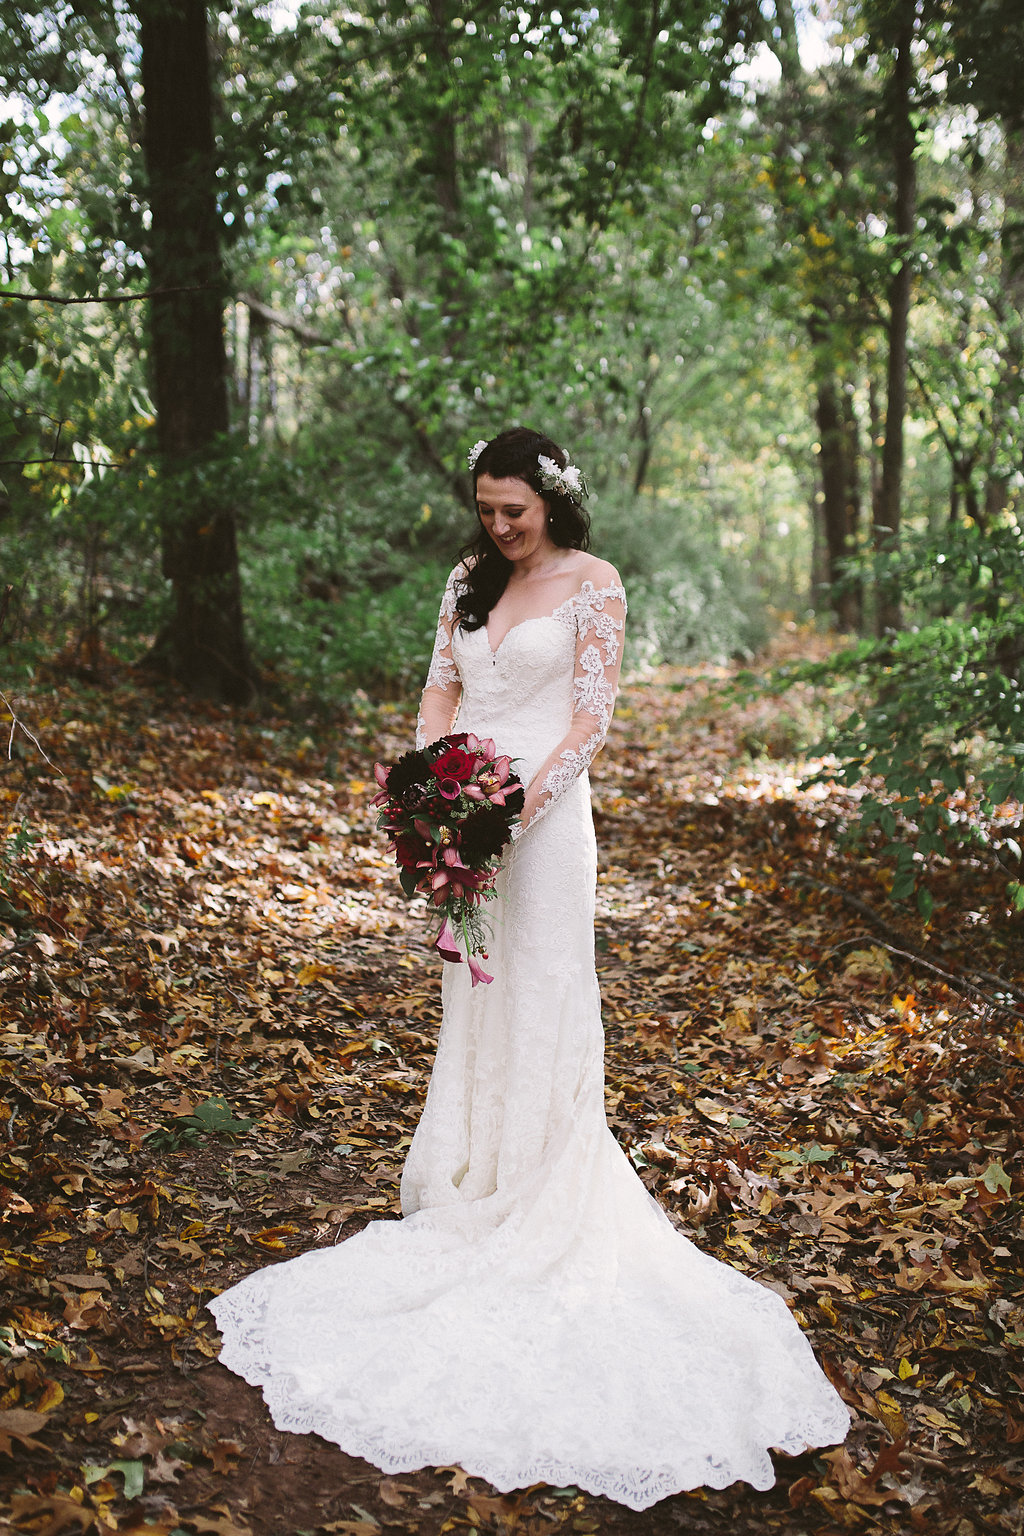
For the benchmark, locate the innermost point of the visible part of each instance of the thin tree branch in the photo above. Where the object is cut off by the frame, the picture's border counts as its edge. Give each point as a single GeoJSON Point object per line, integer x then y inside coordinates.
{"type": "Point", "coordinates": [959, 983]}
{"type": "Point", "coordinates": [284, 322]}
{"type": "Point", "coordinates": [52, 459]}
{"type": "Point", "coordinates": [103, 298]}
{"type": "Point", "coordinates": [19, 724]}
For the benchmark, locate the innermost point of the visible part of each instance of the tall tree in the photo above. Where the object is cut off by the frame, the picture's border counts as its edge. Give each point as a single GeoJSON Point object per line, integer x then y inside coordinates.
{"type": "Point", "coordinates": [898, 28]}
{"type": "Point", "coordinates": [820, 192]}
{"type": "Point", "coordinates": [203, 644]}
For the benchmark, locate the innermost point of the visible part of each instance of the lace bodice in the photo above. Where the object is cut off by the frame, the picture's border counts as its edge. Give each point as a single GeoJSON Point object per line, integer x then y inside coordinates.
{"type": "Point", "coordinates": [546, 692]}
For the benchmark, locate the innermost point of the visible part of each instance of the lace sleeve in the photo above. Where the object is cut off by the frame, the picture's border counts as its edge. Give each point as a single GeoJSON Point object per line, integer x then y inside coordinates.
{"type": "Point", "coordinates": [600, 615]}
{"type": "Point", "coordinates": [442, 690]}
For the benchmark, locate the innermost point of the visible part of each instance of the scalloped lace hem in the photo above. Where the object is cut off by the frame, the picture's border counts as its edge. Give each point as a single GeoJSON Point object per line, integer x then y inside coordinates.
{"type": "Point", "coordinates": [667, 1465]}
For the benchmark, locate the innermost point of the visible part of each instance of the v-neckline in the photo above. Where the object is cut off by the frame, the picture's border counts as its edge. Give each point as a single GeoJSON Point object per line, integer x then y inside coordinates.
{"type": "Point", "coordinates": [534, 619]}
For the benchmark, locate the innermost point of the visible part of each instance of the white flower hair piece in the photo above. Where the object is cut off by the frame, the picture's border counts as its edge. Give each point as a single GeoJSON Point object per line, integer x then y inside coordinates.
{"type": "Point", "coordinates": [475, 452]}
{"type": "Point", "coordinates": [569, 481]}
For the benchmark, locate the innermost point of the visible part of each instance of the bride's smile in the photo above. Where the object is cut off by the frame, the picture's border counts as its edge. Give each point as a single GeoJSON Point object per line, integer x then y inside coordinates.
{"type": "Point", "coordinates": [515, 517]}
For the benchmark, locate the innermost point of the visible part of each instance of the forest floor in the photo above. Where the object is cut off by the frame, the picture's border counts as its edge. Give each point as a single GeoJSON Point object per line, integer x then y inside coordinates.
{"type": "Point", "coordinates": [217, 1024]}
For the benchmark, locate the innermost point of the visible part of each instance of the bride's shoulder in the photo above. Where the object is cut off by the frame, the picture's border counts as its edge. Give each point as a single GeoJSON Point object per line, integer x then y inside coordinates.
{"type": "Point", "coordinates": [459, 574]}
{"type": "Point", "coordinates": [597, 576]}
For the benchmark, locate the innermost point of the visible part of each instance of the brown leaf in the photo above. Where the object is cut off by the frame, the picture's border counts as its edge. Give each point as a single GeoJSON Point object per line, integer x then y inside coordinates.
{"type": "Point", "coordinates": [63, 1513]}
{"type": "Point", "coordinates": [20, 1424]}
{"type": "Point", "coordinates": [224, 1454]}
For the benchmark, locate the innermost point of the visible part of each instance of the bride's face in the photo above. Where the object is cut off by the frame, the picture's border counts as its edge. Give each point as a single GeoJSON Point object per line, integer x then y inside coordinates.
{"type": "Point", "coordinates": [514, 516]}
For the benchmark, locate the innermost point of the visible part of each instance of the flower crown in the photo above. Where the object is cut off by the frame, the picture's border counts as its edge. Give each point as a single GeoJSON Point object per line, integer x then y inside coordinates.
{"type": "Point", "coordinates": [568, 481]}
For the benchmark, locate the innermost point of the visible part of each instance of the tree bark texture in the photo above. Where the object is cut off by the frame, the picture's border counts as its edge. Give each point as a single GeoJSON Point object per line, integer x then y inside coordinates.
{"type": "Point", "coordinates": [839, 508]}
{"type": "Point", "coordinates": [903, 137]}
{"type": "Point", "coordinates": [203, 645]}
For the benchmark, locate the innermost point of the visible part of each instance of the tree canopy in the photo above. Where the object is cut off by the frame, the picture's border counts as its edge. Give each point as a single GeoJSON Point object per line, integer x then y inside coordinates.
{"type": "Point", "coordinates": [760, 266]}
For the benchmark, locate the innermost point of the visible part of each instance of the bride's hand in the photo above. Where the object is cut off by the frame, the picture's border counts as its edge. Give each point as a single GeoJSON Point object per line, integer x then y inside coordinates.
{"type": "Point", "coordinates": [531, 803]}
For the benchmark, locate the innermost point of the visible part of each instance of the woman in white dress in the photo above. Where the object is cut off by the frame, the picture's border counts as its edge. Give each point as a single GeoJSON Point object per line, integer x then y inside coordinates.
{"type": "Point", "coordinates": [534, 1317]}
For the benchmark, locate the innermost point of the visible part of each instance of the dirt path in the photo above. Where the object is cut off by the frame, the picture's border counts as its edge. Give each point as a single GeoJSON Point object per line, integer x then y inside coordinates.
{"type": "Point", "coordinates": [217, 1024]}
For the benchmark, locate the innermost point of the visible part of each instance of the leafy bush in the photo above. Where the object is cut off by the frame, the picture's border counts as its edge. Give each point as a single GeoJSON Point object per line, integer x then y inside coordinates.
{"type": "Point", "coordinates": [937, 716]}
{"type": "Point", "coordinates": [689, 600]}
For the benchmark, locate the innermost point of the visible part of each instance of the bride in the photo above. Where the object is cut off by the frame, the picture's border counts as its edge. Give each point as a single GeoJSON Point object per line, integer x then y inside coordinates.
{"type": "Point", "coordinates": [535, 1317]}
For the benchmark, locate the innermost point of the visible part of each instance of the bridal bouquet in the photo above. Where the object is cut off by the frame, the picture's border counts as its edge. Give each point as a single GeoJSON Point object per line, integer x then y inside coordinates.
{"type": "Point", "coordinates": [449, 810]}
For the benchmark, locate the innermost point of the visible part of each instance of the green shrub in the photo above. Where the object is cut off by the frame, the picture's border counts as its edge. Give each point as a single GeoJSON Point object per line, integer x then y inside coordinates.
{"type": "Point", "coordinates": [935, 712]}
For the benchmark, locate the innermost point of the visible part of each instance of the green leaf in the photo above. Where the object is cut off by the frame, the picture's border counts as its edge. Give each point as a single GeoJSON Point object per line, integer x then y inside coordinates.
{"type": "Point", "coordinates": [215, 1117]}
{"type": "Point", "coordinates": [809, 1154]}
{"type": "Point", "coordinates": [995, 1178]}
{"type": "Point", "coordinates": [131, 1471]}
{"type": "Point", "coordinates": [925, 903]}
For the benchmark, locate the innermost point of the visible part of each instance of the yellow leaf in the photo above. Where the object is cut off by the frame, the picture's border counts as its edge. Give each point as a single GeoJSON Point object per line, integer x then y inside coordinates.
{"type": "Point", "coordinates": [891, 1415]}
{"type": "Point", "coordinates": [906, 1369]}
{"type": "Point", "coordinates": [765, 1203]}
{"type": "Point", "coordinates": [129, 1221]}
{"type": "Point", "coordinates": [51, 1398]}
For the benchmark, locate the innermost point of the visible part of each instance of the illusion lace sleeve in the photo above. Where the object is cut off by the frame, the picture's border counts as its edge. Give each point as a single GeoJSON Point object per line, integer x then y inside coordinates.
{"type": "Point", "coordinates": [600, 616]}
{"type": "Point", "coordinates": [443, 687]}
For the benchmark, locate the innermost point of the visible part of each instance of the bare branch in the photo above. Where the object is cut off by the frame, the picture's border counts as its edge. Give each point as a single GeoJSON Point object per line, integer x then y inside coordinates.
{"type": "Point", "coordinates": [284, 322]}
{"type": "Point", "coordinates": [95, 463]}
{"type": "Point", "coordinates": [19, 724]}
{"type": "Point", "coordinates": [103, 298]}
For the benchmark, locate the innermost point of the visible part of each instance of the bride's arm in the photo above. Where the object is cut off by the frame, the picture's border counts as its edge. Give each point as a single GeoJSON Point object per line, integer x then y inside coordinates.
{"type": "Point", "coordinates": [442, 690]}
{"type": "Point", "coordinates": [600, 626]}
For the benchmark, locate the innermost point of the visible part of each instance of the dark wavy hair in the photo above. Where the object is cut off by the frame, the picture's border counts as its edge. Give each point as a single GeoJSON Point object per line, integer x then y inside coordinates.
{"type": "Point", "coordinates": [515, 455]}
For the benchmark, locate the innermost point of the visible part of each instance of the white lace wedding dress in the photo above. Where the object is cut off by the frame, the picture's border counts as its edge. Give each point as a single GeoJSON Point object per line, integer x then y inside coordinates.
{"type": "Point", "coordinates": [534, 1317]}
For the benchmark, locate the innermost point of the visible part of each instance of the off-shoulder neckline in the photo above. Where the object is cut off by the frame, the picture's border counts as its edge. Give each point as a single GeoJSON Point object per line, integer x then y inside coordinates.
{"type": "Point", "coordinates": [586, 590]}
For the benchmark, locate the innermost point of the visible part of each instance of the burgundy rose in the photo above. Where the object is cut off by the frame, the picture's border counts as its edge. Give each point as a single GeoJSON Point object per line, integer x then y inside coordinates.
{"type": "Point", "coordinates": [455, 764]}
{"type": "Point", "coordinates": [409, 851]}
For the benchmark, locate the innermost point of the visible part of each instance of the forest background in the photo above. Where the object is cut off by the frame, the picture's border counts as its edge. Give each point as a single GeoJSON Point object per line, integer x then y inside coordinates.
{"type": "Point", "coordinates": [269, 271]}
{"type": "Point", "coordinates": [266, 274]}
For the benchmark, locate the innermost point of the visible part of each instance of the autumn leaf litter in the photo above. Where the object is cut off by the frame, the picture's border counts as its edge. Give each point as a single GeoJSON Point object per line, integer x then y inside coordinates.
{"type": "Point", "coordinates": [218, 1016]}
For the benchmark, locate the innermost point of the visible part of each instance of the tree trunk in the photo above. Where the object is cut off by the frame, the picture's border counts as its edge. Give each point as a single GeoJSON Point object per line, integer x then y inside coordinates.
{"type": "Point", "coordinates": [203, 645]}
{"type": "Point", "coordinates": [837, 513]}
{"type": "Point", "coordinates": [999, 493]}
{"type": "Point", "coordinates": [851, 441]}
{"type": "Point", "coordinates": [890, 492]}
{"type": "Point", "coordinates": [838, 470]}
{"type": "Point", "coordinates": [833, 491]}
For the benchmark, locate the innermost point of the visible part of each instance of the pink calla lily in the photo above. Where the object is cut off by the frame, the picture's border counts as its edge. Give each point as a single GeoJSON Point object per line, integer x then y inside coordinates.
{"type": "Point", "coordinates": [477, 971]}
{"type": "Point", "coordinates": [447, 945]}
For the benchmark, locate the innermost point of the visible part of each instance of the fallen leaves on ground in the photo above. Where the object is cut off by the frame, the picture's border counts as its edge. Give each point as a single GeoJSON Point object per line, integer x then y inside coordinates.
{"type": "Point", "coordinates": [218, 1021]}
